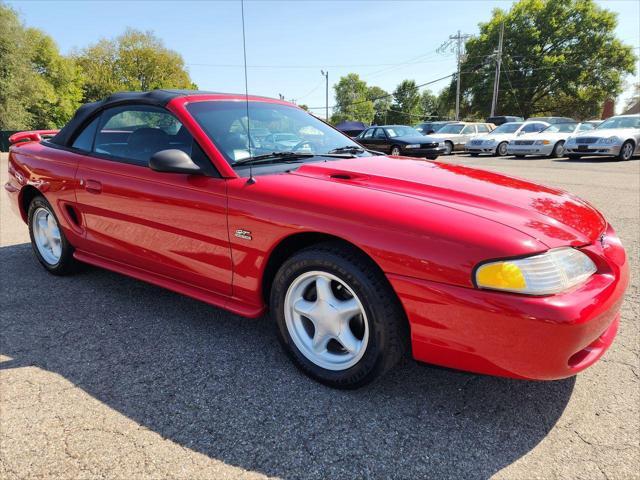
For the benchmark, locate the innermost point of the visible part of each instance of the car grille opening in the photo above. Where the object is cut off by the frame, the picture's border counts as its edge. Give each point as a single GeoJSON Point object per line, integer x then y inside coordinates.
{"type": "Point", "coordinates": [586, 140]}
{"type": "Point", "coordinates": [524, 142]}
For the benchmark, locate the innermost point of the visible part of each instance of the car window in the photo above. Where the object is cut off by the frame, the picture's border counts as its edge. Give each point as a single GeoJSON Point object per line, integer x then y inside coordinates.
{"type": "Point", "coordinates": [483, 129]}
{"type": "Point", "coordinates": [469, 129]}
{"type": "Point", "coordinates": [533, 127]}
{"type": "Point", "coordinates": [134, 133]}
{"type": "Point", "coordinates": [585, 126]}
{"type": "Point", "coordinates": [451, 128]}
{"type": "Point", "coordinates": [381, 135]}
{"type": "Point", "coordinates": [84, 141]}
{"type": "Point", "coordinates": [368, 133]}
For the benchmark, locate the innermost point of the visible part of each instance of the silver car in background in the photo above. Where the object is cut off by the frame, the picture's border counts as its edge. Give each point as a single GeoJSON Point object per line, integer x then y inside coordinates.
{"type": "Point", "coordinates": [617, 136]}
{"type": "Point", "coordinates": [455, 136]}
{"type": "Point", "coordinates": [549, 142]}
{"type": "Point", "coordinates": [496, 142]}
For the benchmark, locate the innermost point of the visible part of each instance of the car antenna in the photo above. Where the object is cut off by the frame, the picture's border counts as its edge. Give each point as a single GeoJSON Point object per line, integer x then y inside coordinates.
{"type": "Point", "coordinates": [246, 95]}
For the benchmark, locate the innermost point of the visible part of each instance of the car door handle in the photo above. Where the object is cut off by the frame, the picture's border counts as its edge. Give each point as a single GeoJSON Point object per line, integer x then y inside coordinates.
{"type": "Point", "coordinates": [92, 186]}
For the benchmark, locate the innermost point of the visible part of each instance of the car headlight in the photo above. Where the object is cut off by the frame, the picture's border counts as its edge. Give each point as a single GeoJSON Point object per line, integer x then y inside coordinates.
{"type": "Point", "coordinates": [551, 272]}
{"type": "Point", "coordinates": [412, 145]}
{"type": "Point", "coordinates": [542, 142]}
{"type": "Point", "coordinates": [609, 141]}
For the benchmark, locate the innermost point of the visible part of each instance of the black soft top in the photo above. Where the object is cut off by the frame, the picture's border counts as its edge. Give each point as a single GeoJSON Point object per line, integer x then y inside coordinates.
{"type": "Point", "coordinates": [87, 111]}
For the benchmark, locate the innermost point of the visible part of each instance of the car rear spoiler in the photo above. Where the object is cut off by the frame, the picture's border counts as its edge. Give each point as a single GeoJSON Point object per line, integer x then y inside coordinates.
{"type": "Point", "coordinates": [31, 136]}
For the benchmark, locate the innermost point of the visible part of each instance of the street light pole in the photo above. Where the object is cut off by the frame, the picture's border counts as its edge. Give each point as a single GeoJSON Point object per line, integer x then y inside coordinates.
{"type": "Point", "coordinates": [326, 94]}
{"type": "Point", "coordinates": [496, 80]}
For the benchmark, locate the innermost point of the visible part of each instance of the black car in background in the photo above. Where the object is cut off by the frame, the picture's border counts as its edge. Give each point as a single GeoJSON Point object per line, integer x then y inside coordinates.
{"type": "Point", "coordinates": [425, 128]}
{"type": "Point", "coordinates": [500, 119]}
{"type": "Point", "coordinates": [400, 140]}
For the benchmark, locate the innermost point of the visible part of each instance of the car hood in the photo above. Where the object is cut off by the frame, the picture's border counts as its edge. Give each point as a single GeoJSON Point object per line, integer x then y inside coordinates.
{"type": "Point", "coordinates": [544, 136]}
{"type": "Point", "coordinates": [550, 216]}
{"type": "Point", "coordinates": [499, 137]}
{"type": "Point", "coordinates": [608, 132]}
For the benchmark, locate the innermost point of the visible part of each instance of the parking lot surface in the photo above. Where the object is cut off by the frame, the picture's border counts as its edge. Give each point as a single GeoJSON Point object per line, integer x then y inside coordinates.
{"type": "Point", "coordinates": [102, 376]}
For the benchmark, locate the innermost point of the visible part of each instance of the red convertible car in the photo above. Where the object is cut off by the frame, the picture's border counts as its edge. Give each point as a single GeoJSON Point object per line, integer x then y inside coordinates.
{"type": "Point", "coordinates": [360, 258]}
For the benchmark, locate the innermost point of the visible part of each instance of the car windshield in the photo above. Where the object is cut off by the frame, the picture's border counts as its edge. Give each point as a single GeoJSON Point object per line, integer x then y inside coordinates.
{"type": "Point", "coordinates": [620, 122]}
{"type": "Point", "coordinates": [561, 128]}
{"type": "Point", "coordinates": [401, 131]}
{"type": "Point", "coordinates": [451, 128]}
{"type": "Point", "coordinates": [292, 129]}
{"type": "Point", "coordinates": [511, 127]}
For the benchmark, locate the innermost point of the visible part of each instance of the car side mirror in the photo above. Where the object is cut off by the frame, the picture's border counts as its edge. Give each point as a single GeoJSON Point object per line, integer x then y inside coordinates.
{"type": "Point", "coordinates": [173, 161]}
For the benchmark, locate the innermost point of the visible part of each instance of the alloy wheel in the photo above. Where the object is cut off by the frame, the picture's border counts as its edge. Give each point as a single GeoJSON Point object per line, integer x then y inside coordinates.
{"type": "Point", "coordinates": [326, 320]}
{"type": "Point", "coordinates": [46, 234]}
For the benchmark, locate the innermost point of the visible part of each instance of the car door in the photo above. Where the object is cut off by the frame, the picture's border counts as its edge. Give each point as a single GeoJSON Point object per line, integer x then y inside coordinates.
{"type": "Point", "coordinates": [366, 138]}
{"type": "Point", "coordinates": [170, 224]}
{"type": "Point", "coordinates": [381, 140]}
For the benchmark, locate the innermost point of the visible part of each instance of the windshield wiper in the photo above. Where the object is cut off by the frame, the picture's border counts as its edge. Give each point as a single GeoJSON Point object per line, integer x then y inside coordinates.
{"type": "Point", "coordinates": [267, 157]}
{"type": "Point", "coordinates": [348, 149]}
{"type": "Point", "coordinates": [287, 156]}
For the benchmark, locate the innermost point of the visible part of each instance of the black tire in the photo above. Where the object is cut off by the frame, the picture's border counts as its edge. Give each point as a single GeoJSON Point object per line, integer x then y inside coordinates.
{"type": "Point", "coordinates": [388, 339]}
{"type": "Point", "coordinates": [501, 149]}
{"type": "Point", "coordinates": [395, 150]}
{"type": "Point", "coordinates": [519, 156]}
{"type": "Point", "coordinates": [66, 265]}
{"type": "Point", "coordinates": [474, 154]}
{"type": "Point", "coordinates": [432, 157]}
{"type": "Point", "coordinates": [626, 151]}
{"type": "Point", "coordinates": [448, 148]}
{"type": "Point", "coordinates": [573, 156]}
{"type": "Point", "coordinates": [558, 150]}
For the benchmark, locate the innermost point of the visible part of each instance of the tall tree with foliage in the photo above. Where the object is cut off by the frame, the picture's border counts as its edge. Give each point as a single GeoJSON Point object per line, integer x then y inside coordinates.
{"type": "Point", "coordinates": [133, 61]}
{"type": "Point", "coordinates": [559, 57]}
{"type": "Point", "coordinates": [407, 104]}
{"type": "Point", "coordinates": [39, 88]}
{"type": "Point", "coordinates": [381, 104]}
{"type": "Point", "coordinates": [352, 100]}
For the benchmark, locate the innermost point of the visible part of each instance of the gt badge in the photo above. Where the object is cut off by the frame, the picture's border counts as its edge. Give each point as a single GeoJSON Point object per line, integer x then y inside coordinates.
{"type": "Point", "coordinates": [244, 234]}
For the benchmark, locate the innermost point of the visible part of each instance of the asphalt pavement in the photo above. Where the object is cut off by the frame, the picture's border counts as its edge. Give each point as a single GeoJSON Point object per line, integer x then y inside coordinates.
{"type": "Point", "coordinates": [103, 376]}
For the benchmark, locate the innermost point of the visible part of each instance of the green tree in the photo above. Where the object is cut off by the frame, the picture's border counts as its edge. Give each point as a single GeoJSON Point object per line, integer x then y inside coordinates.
{"type": "Point", "coordinates": [381, 104]}
{"type": "Point", "coordinates": [39, 88]}
{"type": "Point", "coordinates": [430, 106]}
{"type": "Point", "coordinates": [559, 57]}
{"type": "Point", "coordinates": [133, 61]}
{"type": "Point", "coordinates": [352, 102]}
{"type": "Point", "coordinates": [407, 104]}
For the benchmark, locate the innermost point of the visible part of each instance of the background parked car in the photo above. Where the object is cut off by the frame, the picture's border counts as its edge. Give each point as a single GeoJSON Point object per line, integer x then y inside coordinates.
{"type": "Point", "coordinates": [552, 119]}
{"type": "Point", "coordinates": [549, 142]}
{"type": "Point", "coordinates": [495, 143]}
{"type": "Point", "coordinates": [456, 135]}
{"type": "Point", "coordinates": [427, 128]}
{"type": "Point", "coordinates": [400, 140]}
{"type": "Point", "coordinates": [500, 119]}
{"type": "Point", "coordinates": [281, 141]}
{"type": "Point", "coordinates": [615, 137]}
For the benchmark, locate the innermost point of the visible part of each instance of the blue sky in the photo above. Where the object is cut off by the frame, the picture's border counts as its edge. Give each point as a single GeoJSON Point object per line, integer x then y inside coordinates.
{"type": "Point", "coordinates": [288, 42]}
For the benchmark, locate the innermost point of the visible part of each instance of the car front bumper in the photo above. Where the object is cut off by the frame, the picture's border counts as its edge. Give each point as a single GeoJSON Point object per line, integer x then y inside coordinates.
{"type": "Point", "coordinates": [530, 149]}
{"type": "Point", "coordinates": [593, 150]}
{"type": "Point", "coordinates": [495, 333]}
{"type": "Point", "coordinates": [480, 148]}
{"type": "Point", "coordinates": [422, 152]}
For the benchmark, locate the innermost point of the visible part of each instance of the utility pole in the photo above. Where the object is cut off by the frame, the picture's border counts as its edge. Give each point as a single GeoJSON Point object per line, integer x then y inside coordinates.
{"type": "Point", "coordinates": [326, 93]}
{"type": "Point", "coordinates": [496, 80]}
{"type": "Point", "coordinates": [456, 43]}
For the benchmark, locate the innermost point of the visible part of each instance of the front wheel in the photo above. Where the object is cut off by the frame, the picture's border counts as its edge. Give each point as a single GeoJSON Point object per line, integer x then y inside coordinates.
{"type": "Point", "coordinates": [432, 157]}
{"type": "Point", "coordinates": [626, 151]}
{"type": "Point", "coordinates": [395, 151]}
{"type": "Point", "coordinates": [337, 316]}
{"type": "Point", "coordinates": [501, 150]}
{"type": "Point", "coordinates": [49, 243]}
{"type": "Point", "coordinates": [558, 150]}
{"type": "Point", "coordinates": [448, 148]}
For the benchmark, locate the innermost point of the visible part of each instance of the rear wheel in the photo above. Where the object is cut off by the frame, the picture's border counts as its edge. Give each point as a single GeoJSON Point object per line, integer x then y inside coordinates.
{"type": "Point", "coordinates": [49, 244]}
{"type": "Point", "coordinates": [573, 156]}
{"type": "Point", "coordinates": [432, 157]}
{"type": "Point", "coordinates": [395, 150]}
{"type": "Point", "coordinates": [337, 316]}
{"type": "Point", "coordinates": [519, 156]}
{"type": "Point", "coordinates": [501, 149]}
{"type": "Point", "coordinates": [626, 151]}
